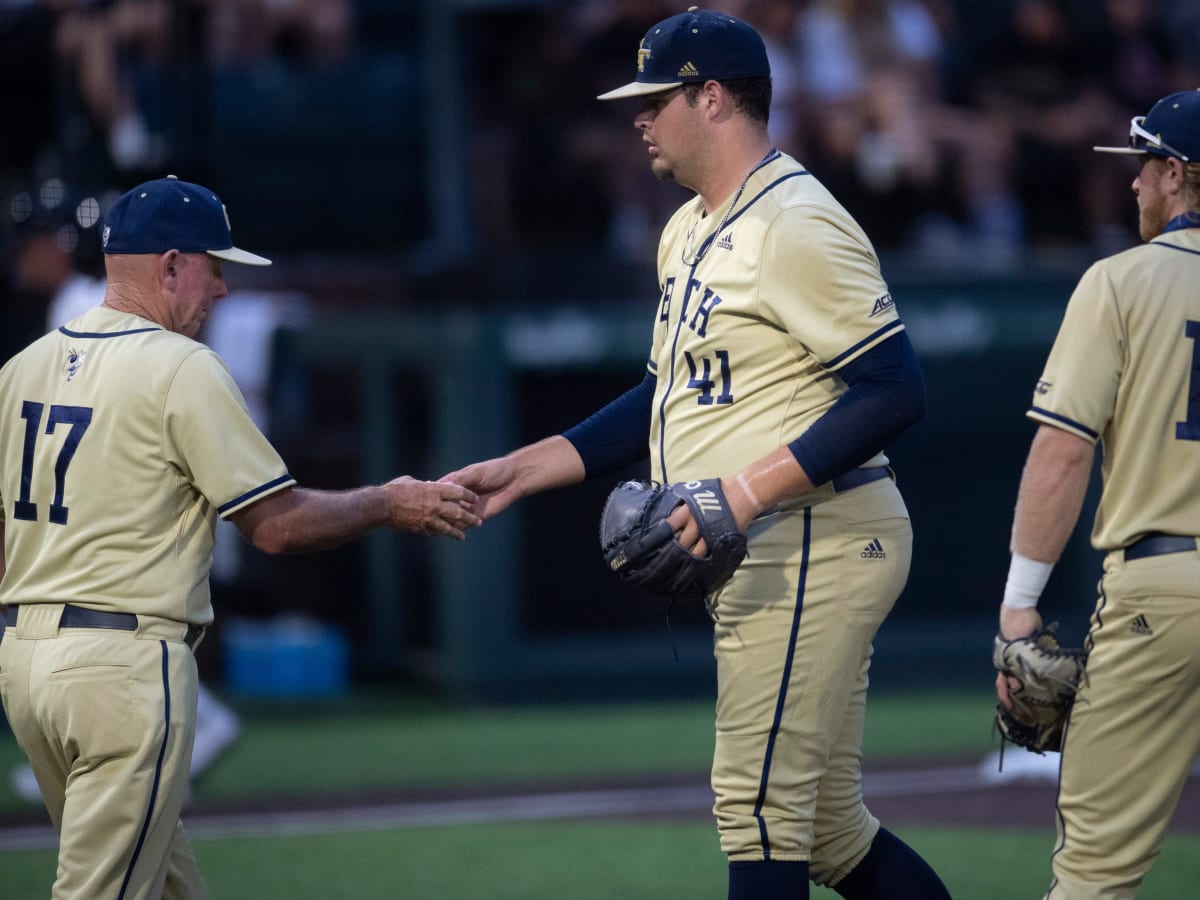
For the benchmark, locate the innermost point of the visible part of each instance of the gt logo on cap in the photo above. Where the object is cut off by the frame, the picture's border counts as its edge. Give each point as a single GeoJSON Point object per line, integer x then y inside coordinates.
{"type": "Point", "coordinates": [643, 55]}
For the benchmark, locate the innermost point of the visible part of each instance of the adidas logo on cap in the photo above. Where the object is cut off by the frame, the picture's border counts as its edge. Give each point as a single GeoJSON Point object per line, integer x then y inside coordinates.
{"type": "Point", "coordinates": [687, 71]}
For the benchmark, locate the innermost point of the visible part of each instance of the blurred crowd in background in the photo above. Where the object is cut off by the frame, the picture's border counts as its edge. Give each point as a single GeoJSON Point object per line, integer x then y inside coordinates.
{"type": "Point", "coordinates": [944, 125]}
{"type": "Point", "coordinates": [957, 131]}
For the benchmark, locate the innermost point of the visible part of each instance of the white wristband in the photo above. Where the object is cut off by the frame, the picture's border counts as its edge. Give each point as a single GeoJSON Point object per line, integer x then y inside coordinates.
{"type": "Point", "coordinates": [1026, 580]}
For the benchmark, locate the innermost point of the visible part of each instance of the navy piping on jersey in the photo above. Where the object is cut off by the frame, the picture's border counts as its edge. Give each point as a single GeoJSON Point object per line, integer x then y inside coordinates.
{"type": "Point", "coordinates": [745, 209]}
{"type": "Point", "coordinates": [662, 406]}
{"type": "Point", "coordinates": [162, 752]}
{"type": "Point", "coordinates": [894, 325]}
{"type": "Point", "coordinates": [1069, 422]}
{"type": "Point", "coordinates": [781, 700]}
{"type": "Point", "coordinates": [254, 493]}
{"type": "Point", "coordinates": [1167, 246]}
{"type": "Point", "coordinates": [765, 190]}
{"type": "Point", "coordinates": [700, 254]}
{"type": "Point", "coordinates": [104, 334]}
{"type": "Point", "coordinates": [1087, 648]}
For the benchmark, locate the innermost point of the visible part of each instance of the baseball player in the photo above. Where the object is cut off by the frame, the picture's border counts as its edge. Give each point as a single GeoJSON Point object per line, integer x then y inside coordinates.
{"type": "Point", "coordinates": [123, 440]}
{"type": "Point", "coordinates": [1125, 371]}
{"type": "Point", "coordinates": [778, 363]}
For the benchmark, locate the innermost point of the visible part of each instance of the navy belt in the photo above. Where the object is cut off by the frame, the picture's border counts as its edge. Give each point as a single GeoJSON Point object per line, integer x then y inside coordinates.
{"type": "Point", "coordinates": [84, 617]}
{"type": "Point", "coordinates": [857, 477]}
{"type": "Point", "coordinates": [1158, 544]}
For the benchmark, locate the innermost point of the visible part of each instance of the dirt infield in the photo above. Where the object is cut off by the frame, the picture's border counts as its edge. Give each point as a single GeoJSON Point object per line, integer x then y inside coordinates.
{"type": "Point", "coordinates": [965, 793]}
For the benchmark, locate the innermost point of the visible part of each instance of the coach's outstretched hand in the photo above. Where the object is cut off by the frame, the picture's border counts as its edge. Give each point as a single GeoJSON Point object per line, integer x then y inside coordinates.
{"type": "Point", "coordinates": [431, 507]}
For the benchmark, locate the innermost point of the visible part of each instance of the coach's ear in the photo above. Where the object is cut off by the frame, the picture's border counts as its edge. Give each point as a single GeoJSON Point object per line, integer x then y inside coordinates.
{"type": "Point", "coordinates": [168, 269]}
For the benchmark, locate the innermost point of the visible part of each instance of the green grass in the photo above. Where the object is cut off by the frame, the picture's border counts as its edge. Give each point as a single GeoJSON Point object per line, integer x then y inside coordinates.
{"type": "Point", "coordinates": [400, 748]}
{"type": "Point", "coordinates": [371, 742]}
{"type": "Point", "coordinates": [580, 860]}
{"type": "Point", "coordinates": [460, 747]}
{"type": "Point", "coordinates": [374, 740]}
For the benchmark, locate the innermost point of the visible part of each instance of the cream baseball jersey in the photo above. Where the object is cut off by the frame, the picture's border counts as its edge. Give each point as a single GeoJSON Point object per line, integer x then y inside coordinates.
{"type": "Point", "coordinates": [761, 303]}
{"type": "Point", "coordinates": [120, 444]}
{"type": "Point", "coordinates": [1125, 370]}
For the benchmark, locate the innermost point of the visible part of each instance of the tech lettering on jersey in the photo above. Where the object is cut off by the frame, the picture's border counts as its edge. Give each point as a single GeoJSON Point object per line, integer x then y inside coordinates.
{"type": "Point", "coordinates": [664, 308]}
{"type": "Point", "coordinates": [704, 309]}
{"type": "Point", "coordinates": [708, 301]}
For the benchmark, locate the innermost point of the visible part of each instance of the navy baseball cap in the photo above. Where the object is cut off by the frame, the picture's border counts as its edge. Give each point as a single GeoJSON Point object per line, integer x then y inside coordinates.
{"type": "Point", "coordinates": [169, 214]}
{"type": "Point", "coordinates": [1171, 128]}
{"type": "Point", "coordinates": [692, 48]}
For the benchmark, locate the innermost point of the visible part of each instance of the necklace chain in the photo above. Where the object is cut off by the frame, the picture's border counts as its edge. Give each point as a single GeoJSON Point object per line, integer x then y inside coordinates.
{"type": "Point", "coordinates": [698, 254]}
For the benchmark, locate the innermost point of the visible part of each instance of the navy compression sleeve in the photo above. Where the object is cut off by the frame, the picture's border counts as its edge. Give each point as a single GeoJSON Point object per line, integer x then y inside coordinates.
{"type": "Point", "coordinates": [885, 394]}
{"type": "Point", "coordinates": [617, 434]}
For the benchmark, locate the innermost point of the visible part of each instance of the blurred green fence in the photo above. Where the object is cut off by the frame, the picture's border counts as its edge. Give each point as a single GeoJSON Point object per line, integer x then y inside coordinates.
{"type": "Point", "coordinates": [524, 607]}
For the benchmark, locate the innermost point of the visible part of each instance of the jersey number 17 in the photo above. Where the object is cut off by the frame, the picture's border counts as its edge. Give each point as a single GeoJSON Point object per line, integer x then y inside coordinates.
{"type": "Point", "coordinates": [79, 418]}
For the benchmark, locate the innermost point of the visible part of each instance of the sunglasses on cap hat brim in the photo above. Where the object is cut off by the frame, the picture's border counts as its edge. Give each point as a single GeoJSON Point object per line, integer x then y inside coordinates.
{"type": "Point", "coordinates": [1142, 141]}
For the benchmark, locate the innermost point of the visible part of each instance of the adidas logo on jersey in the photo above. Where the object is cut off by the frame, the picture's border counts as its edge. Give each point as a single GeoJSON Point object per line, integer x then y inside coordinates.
{"type": "Point", "coordinates": [873, 550]}
{"type": "Point", "coordinates": [726, 243]}
{"type": "Point", "coordinates": [883, 303]}
{"type": "Point", "coordinates": [688, 70]}
{"type": "Point", "coordinates": [1141, 626]}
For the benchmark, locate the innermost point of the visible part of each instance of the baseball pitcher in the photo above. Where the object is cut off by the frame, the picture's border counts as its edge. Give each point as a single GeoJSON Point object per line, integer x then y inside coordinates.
{"type": "Point", "coordinates": [779, 370]}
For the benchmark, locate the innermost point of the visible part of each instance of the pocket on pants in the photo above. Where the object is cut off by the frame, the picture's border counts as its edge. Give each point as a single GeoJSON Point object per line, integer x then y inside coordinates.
{"type": "Point", "coordinates": [93, 709]}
